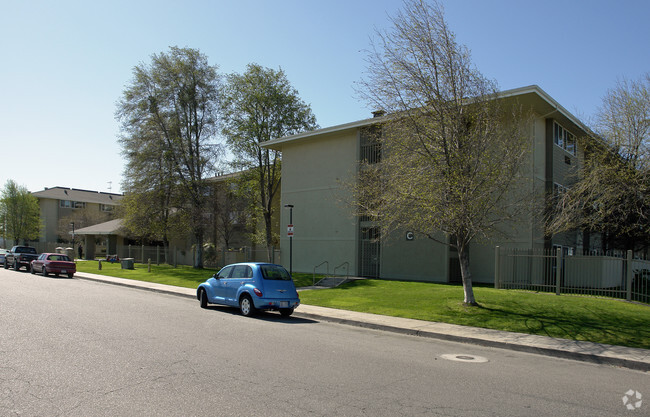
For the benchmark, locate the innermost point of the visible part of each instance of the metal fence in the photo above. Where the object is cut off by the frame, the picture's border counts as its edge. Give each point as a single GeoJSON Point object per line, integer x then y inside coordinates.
{"type": "Point", "coordinates": [618, 275]}
{"type": "Point", "coordinates": [185, 256]}
{"type": "Point", "coordinates": [212, 258]}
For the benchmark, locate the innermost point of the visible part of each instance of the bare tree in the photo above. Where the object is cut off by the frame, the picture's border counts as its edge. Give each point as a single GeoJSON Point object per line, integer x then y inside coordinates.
{"type": "Point", "coordinates": [451, 150]}
{"type": "Point", "coordinates": [611, 194]}
{"type": "Point", "coordinates": [623, 120]}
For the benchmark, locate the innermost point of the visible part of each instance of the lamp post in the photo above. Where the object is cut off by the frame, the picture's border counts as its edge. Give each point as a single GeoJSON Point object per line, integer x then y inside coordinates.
{"type": "Point", "coordinates": [72, 224]}
{"type": "Point", "coordinates": [290, 235]}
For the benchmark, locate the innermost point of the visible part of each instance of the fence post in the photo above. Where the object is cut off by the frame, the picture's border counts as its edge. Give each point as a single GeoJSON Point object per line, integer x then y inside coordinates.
{"type": "Point", "coordinates": [497, 271]}
{"type": "Point", "coordinates": [142, 254]}
{"type": "Point", "coordinates": [157, 254]}
{"type": "Point", "coordinates": [174, 256]}
{"type": "Point", "coordinates": [558, 270]}
{"type": "Point", "coordinates": [629, 276]}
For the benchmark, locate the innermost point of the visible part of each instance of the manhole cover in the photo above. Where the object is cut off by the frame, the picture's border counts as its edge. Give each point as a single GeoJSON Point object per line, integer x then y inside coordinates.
{"type": "Point", "coordinates": [464, 358]}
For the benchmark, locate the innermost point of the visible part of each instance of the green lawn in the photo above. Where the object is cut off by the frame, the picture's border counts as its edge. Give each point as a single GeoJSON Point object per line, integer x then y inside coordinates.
{"type": "Point", "coordinates": [181, 276]}
{"type": "Point", "coordinates": [571, 317]}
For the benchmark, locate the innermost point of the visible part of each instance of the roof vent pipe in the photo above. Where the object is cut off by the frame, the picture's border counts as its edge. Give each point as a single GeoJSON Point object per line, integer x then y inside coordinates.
{"type": "Point", "coordinates": [378, 113]}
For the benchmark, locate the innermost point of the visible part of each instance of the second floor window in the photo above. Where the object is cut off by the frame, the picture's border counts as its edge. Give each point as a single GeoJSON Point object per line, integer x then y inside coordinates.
{"type": "Point", "coordinates": [72, 204]}
{"type": "Point", "coordinates": [564, 139]}
{"type": "Point", "coordinates": [371, 144]}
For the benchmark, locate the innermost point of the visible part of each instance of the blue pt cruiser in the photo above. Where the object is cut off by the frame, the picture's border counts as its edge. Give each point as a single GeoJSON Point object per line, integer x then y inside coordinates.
{"type": "Point", "coordinates": [251, 286]}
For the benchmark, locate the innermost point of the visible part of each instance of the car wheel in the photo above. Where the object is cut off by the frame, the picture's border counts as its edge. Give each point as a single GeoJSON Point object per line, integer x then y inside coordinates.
{"type": "Point", "coordinates": [286, 312]}
{"type": "Point", "coordinates": [44, 271]}
{"type": "Point", "coordinates": [203, 298]}
{"type": "Point", "coordinates": [16, 266]}
{"type": "Point", "coordinates": [70, 275]}
{"type": "Point", "coordinates": [32, 270]}
{"type": "Point", "coordinates": [6, 265]}
{"type": "Point", "coordinates": [246, 305]}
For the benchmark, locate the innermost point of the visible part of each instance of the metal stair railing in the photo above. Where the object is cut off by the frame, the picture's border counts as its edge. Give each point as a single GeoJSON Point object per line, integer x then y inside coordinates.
{"type": "Point", "coordinates": [313, 278]}
{"type": "Point", "coordinates": [347, 269]}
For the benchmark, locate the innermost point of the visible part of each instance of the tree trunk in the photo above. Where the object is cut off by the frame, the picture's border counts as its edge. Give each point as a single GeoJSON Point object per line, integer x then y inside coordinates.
{"type": "Point", "coordinates": [463, 258]}
{"type": "Point", "coordinates": [198, 253]}
{"type": "Point", "coordinates": [269, 235]}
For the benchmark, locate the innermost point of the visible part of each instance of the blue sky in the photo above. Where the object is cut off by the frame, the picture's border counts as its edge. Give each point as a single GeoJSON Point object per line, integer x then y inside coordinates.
{"type": "Point", "coordinates": [64, 64]}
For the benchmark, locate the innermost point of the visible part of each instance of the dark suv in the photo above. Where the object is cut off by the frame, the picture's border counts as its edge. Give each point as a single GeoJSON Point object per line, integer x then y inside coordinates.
{"type": "Point", "coordinates": [20, 256]}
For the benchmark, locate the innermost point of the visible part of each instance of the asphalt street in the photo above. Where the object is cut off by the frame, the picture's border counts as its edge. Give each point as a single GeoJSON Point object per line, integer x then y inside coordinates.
{"type": "Point", "coordinates": [82, 348]}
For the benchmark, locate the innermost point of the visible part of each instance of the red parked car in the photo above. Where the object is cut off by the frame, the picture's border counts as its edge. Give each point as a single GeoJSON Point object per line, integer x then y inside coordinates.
{"type": "Point", "coordinates": [54, 263]}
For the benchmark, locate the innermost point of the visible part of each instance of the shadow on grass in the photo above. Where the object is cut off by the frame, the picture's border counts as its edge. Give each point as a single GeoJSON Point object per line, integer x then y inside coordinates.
{"type": "Point", "coordinates": [588, 324]}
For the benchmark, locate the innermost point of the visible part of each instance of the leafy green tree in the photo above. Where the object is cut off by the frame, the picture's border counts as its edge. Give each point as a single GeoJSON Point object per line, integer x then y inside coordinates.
{"type": "Point", "coordinates": [20, 213]}
{"type": "Point", "coordinates": [170, 112]}
{"type": "Point", "coordinates": [150, 185]}
{"type": "Point", "coordinates": [260, 105]}
{"type": "Point", "coordinates": [451, 151]}
{"type": "Point", "coordinates": [611, 194]}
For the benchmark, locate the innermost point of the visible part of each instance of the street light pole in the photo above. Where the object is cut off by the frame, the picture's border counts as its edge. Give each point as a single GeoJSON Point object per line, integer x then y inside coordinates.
{"type": "Point", "coordinates": [290, 207]}
{"type": "Point", "coordinates": [72, 223]}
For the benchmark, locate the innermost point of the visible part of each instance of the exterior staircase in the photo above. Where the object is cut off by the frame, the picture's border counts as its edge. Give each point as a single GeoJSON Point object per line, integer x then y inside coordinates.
{"type": "Point", "coordinates": [331, 282]}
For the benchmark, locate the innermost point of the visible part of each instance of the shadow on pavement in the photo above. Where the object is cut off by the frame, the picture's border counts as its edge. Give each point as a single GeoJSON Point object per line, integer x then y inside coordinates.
{"type": "Point", "coordinates": [262, 315]}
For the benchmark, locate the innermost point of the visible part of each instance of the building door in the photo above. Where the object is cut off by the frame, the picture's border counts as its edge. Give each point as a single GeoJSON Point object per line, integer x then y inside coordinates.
{"type": "Point", "coordinates": [369, 251]}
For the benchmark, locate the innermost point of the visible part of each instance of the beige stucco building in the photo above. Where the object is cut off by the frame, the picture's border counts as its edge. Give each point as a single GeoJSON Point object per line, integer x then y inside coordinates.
{"type": "Point", "coordinates": [316, 166]}
{"type": "Point", "coordinates": [61, 204]}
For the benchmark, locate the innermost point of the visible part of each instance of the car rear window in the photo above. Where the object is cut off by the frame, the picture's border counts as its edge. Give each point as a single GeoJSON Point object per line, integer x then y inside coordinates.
{"type": "Point", "coordinates": [59, 258]}
{"type": "Point", "coordinates": [25, 250]}
{"type": "Point", "coordinates": [275, 272]}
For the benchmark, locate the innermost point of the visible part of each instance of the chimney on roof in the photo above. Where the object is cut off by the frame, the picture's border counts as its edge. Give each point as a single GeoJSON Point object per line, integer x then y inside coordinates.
{"type": "Point", "coordinates": [378, 113]}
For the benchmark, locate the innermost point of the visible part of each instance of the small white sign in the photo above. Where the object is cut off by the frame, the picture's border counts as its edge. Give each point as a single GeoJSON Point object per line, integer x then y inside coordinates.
{"type": "Point", "coordinates": [290, 230]}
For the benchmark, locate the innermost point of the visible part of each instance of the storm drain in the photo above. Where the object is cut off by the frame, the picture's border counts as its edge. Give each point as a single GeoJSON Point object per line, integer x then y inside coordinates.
{"type": "Point", "coordinates": [464, 358]}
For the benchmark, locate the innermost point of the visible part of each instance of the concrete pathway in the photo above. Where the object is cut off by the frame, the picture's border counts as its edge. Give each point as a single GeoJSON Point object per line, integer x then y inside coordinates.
{"type": "Point", "coordinates": [633, 358]}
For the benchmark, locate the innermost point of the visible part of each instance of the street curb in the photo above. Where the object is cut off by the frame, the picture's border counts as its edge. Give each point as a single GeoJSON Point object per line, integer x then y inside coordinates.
{"type": "Point", "coordinates": [139, 287]}
{"type": "Point", "coordinates": [583, 357]}
{"type": "Point", "coordinates": [558, 353]}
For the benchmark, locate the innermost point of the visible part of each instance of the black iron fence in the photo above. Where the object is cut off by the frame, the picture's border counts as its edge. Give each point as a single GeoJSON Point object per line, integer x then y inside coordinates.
{"type": "Point", "coordinates": [615, 274]}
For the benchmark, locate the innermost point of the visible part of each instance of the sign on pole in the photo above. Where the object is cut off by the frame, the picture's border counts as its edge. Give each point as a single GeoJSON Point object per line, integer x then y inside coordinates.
{"type": "Point", "coordinates": [290, 230]}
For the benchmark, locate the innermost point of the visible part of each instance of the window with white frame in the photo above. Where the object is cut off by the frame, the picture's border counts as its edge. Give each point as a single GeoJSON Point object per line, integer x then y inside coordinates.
{"type": "Point", "coordinates": [564, 139]}
{"type": "Point", "coordinates": [72, 204]}
{"type": "Point", "coordinates": [558, 189]}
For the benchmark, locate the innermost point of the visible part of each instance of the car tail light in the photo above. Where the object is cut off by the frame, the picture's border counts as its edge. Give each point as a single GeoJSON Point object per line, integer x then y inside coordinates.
{"type": "Point", "coordinates": [257, 292]}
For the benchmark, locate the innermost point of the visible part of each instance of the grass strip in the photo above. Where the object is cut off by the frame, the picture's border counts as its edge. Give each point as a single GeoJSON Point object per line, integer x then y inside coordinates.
{"type": "Point", "coordinates": [181, 276]}
{"type": "Point", "coordinates": [592, 319]}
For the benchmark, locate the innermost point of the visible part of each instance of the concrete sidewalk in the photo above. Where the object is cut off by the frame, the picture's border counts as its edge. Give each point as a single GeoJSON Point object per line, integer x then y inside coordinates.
{"type": "Point", "coordinates": [633, 358]}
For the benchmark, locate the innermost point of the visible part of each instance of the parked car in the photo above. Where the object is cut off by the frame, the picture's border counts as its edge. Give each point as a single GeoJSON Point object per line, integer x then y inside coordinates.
{"type": "Point", "coordinates": [251, 286]}
{"type": "Point", "coordinates": [20, 256]}
{"type": "Point", "coordinates": [3, 252]}
{"type": "Point", "coordinates": [54, 263]}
